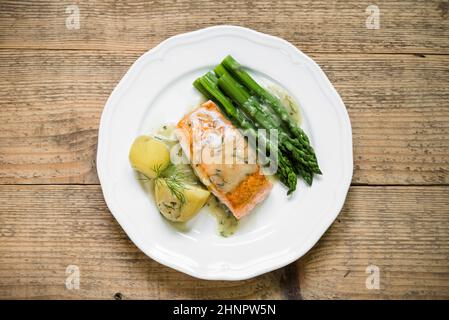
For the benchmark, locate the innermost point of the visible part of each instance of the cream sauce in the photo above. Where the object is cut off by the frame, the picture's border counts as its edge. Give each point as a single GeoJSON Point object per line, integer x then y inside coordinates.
{"type": "Point", "coordinates": [227, 223]}
{"type": "Point", "coordinates": [287, 100]}
{"type": "Point", "coordinates": [166, 133]}
{"type": "Point", "coordinates": [221, 150]}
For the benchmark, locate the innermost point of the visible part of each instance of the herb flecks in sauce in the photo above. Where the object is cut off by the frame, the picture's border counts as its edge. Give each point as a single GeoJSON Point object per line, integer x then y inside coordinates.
{"type": "Point", "coordinates": [227, 223]}
{"type": "Point", "coordinates": [287, 100]}
{"type": "Point", "coordinates": [166, 133]}
{"type": "Point", "coordinates": [226, 167]}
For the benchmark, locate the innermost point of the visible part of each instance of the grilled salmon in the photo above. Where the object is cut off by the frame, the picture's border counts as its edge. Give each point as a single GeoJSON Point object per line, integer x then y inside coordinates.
{"type": "Point", "coordinates": [222, 159]}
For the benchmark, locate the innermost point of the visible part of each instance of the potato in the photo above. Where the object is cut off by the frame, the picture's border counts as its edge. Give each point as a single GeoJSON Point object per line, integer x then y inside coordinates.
{"type": "Point", "coordinates": [148, 154]}
{"type": "Point", "coordinates": [172, 208]}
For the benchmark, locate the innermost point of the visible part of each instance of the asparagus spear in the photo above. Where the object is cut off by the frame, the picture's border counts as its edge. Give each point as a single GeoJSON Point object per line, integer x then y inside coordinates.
{"type": "Point", "coordinates": [250, 105]}
{"type": "Point", "coordinates": [236, 69]}
{"type": "Point", "coordinates": [242, 94]}
{"type": "Point", "coordinates": [220, 70]}
{"type": "Point", "coordinates": [207, 85]}
{"type": "Point", "coordinates": [286, 171]}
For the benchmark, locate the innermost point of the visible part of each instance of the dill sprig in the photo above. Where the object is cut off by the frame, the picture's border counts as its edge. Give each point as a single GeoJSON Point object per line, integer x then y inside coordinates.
{"type": "Point", "coordinates": [173, 177]}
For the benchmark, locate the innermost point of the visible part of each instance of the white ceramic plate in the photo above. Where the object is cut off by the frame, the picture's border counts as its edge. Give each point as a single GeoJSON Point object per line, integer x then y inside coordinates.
{"type": "Point", "coordinates": [158, 89]}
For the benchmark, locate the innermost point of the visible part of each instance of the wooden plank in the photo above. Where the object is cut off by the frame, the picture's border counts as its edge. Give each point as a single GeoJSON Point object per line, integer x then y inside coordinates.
{"type": "Point", "coordinates": [50, 113]}
{"type": "Point", "coordinates": [44, 229]}
{"type": "Point", "coordinates": [399, 115]}
{"type": "Point", "coordinates": [51, 102]}
{"type": "Point", "coordinates": [315, 26]}
{"type": "Point", "coordinates": [401, 230]}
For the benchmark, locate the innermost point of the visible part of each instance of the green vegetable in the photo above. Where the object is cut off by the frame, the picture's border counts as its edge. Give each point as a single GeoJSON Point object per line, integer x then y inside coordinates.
{"type": "Point", "coordinates": [251, 106]}
{"type": "Point", "coordinates": [208, 86]}
{"type": "Point", "coordinates": [237, 70]}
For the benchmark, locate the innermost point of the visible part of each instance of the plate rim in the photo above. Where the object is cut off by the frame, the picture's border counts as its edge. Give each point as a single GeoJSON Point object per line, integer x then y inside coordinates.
{"type": "Point", "coordinates": [295, 252]}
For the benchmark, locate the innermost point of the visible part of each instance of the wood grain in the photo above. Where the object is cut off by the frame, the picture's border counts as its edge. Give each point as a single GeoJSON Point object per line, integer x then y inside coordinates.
{"type": "Point", "coordinates": [44, 229]}
{"type": "Point", "coordinates": [394, 82]}
{"type": "Point", "coordinates": [50, 113]}
{"type": "Point", "coordinates": [402, 230]}
{"type": "Point", "coordinates": [315, 26]}
{"type": "Point", "coordinates": [51, 104]}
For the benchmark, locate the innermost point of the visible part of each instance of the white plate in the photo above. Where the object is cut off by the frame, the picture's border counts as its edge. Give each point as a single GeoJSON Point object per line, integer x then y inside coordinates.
{"type": "Point", "coordinates": [158, 89]}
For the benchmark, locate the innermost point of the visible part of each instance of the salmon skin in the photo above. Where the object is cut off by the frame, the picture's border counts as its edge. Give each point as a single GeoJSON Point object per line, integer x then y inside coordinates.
{"type": "Point", "coordinates": [222, 159]}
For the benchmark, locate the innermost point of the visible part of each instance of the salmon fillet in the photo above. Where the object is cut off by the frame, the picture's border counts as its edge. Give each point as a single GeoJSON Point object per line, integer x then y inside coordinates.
{"type": "Point", "coordinates": [222, 159]}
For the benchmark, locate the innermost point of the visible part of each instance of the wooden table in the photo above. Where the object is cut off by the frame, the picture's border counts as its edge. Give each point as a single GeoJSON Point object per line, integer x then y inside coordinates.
{"type": "Point", "coordinates": [56, 79]}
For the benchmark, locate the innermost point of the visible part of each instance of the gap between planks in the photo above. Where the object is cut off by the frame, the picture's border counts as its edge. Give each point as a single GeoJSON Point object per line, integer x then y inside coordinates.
{"type": "Point", "coordinates": [330, 53]}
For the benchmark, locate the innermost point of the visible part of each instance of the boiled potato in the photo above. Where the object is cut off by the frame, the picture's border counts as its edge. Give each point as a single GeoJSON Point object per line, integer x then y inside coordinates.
{"type": "Point", "coordinates": [172, 208]}
{"type": "Point", "coordinates": [148, 154]}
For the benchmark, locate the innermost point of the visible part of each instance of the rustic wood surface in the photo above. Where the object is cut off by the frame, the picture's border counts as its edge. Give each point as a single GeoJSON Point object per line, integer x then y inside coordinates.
{"type": "Point", "coordinates": [403, 230]}
{"type": "Point", "coordinates": [316, 26]}
{"type": "Point", "coordinates": [394, 82]}
{"type": "Point", "coordinates": [399, 120]}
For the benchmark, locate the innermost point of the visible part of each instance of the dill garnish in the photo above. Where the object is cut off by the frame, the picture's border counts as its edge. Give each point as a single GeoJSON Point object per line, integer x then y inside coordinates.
{"type": "Point", "coordinates": [173, 177]}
